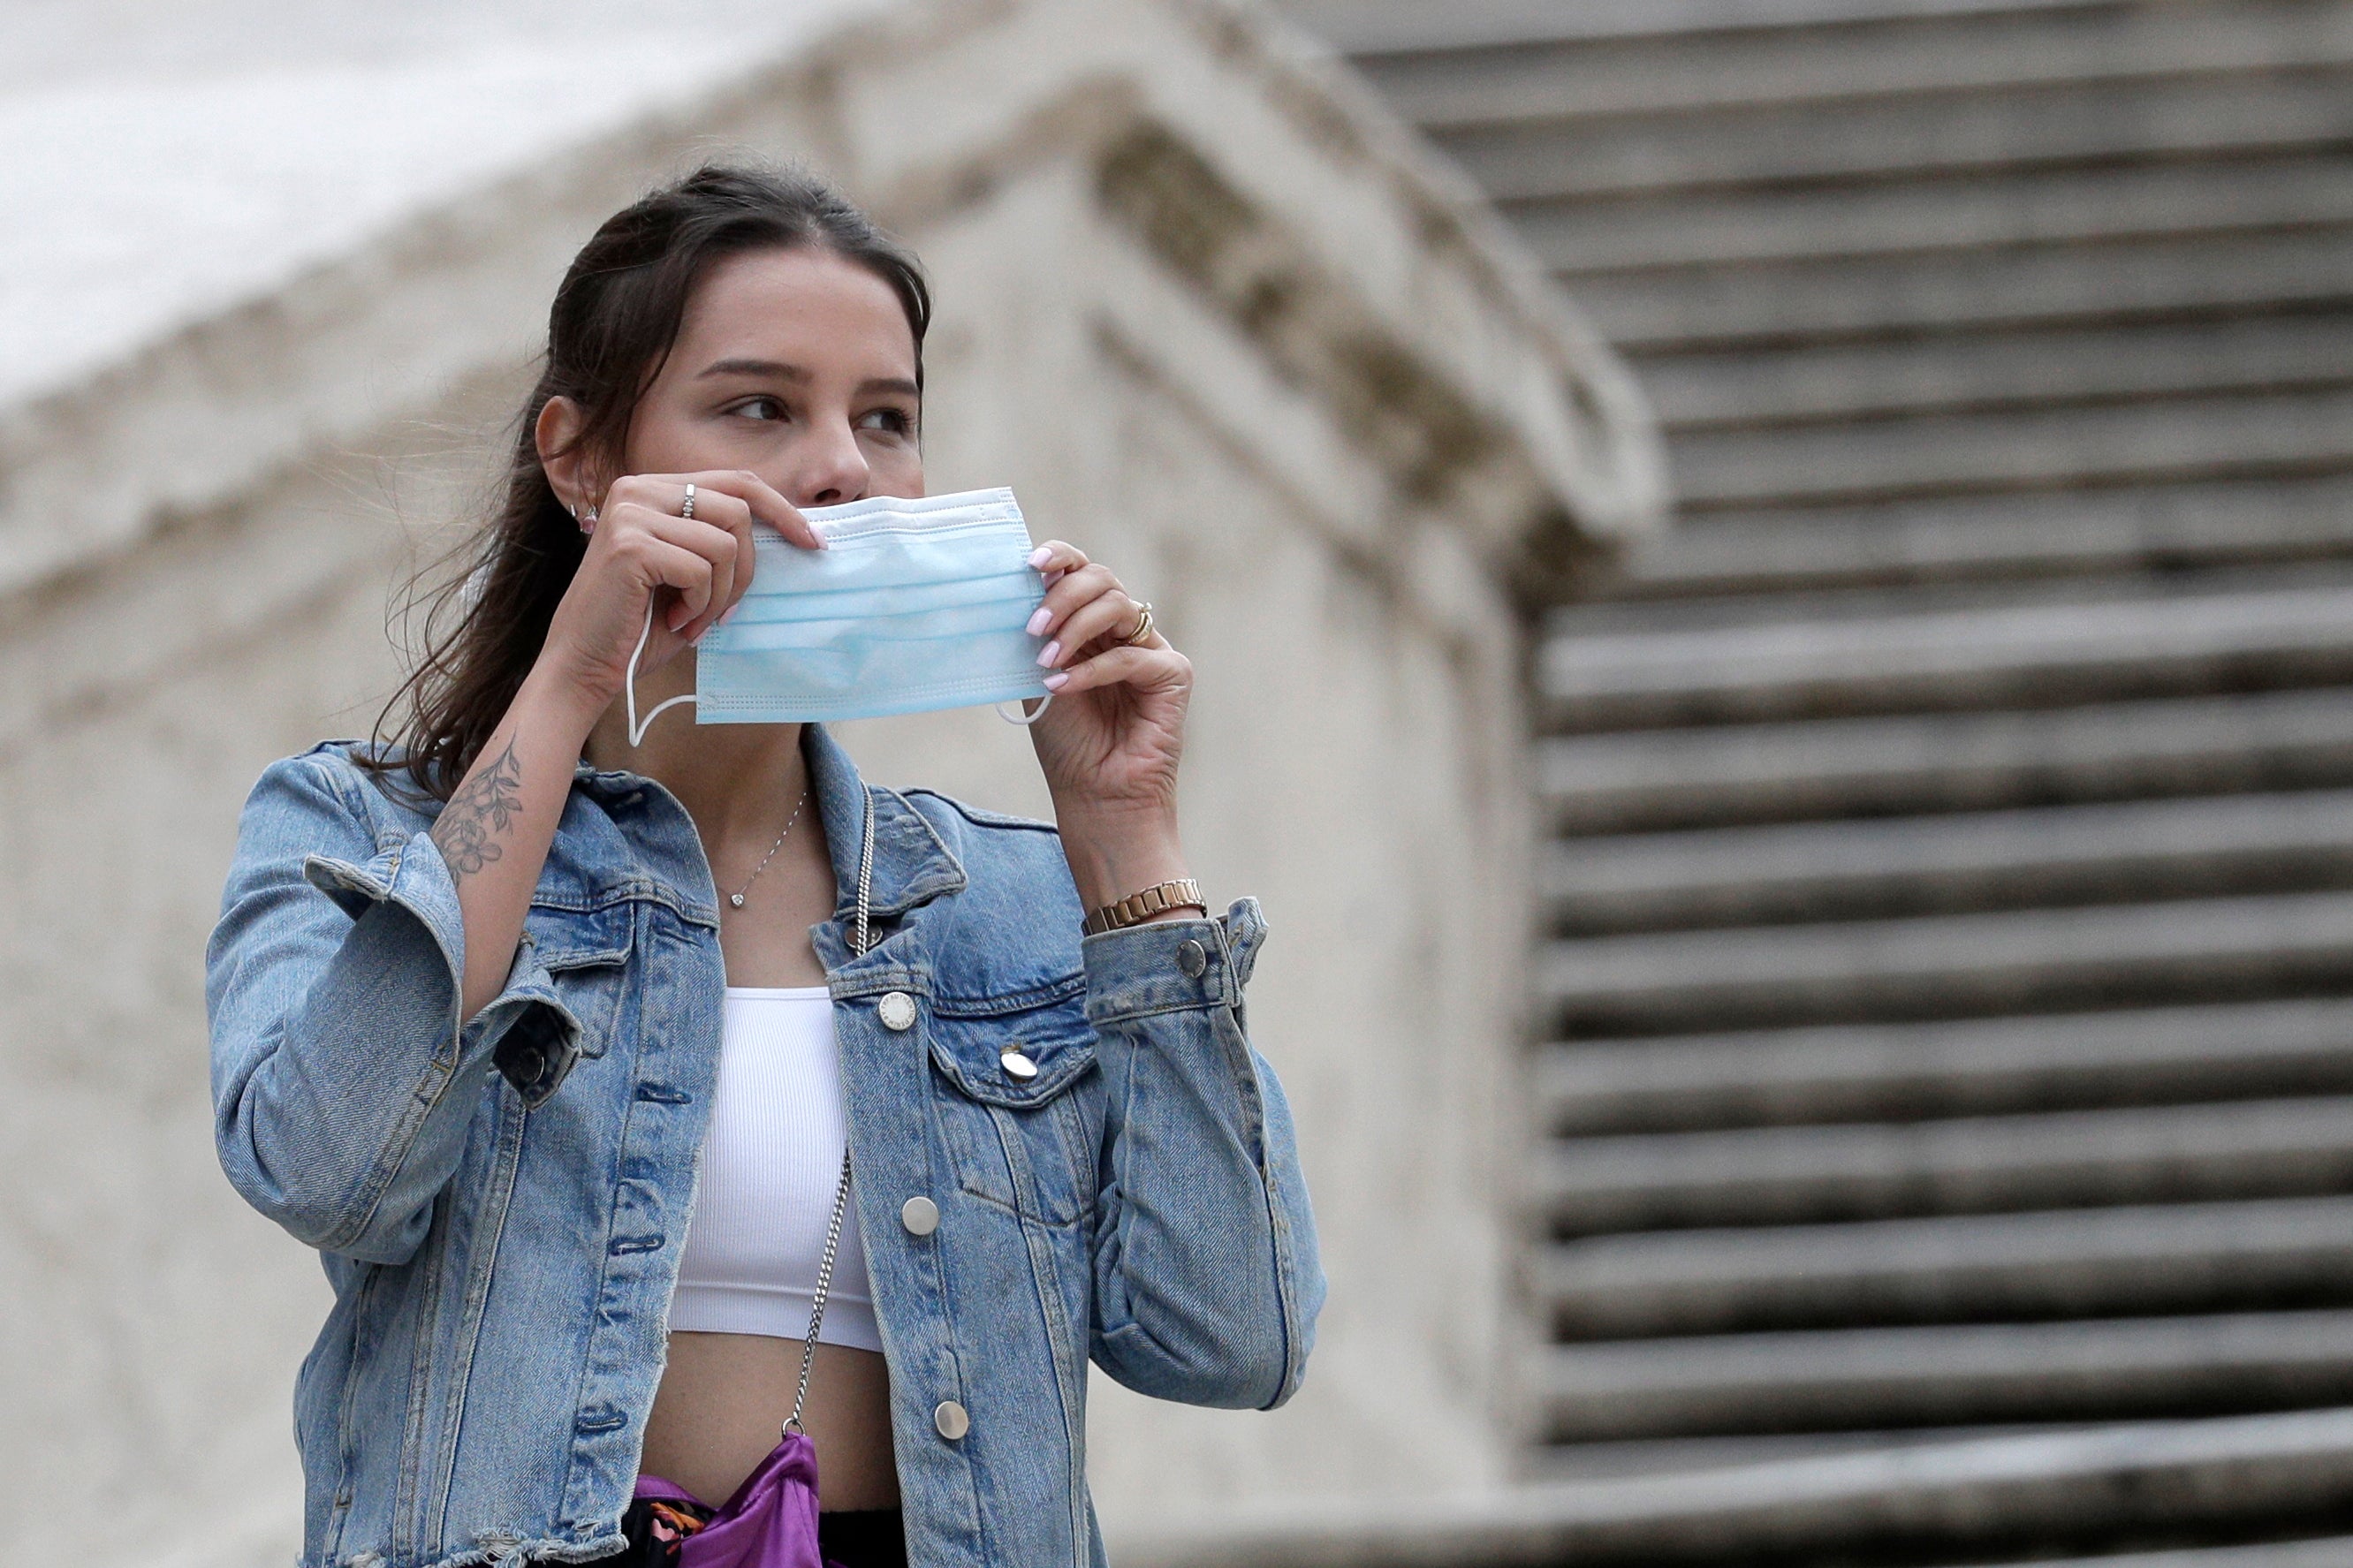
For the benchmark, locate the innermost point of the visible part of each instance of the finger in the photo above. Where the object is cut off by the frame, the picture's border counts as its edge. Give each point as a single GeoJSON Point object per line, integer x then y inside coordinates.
{"type": "Point", "coordinates": [1054, 557]}
{"type": "Point", "coordinates": [667, 492]}
{"type": "Point", "coordinates": [1113, 615]}
{"type": "Point", "coordinates": [766, 503]}
{"type": "Point", "coordinates": [668, 565]}
{"type": "Point", "coordinates": [721, 531]}
{"type": "Point", "coordinates": [1074, 589]}
{"type": "Point", "coordinates": [714, 546]}
{"type": "Point", "coordinates": [1147, 669]}
{"type": "Point", "coordinates": [733, 515]}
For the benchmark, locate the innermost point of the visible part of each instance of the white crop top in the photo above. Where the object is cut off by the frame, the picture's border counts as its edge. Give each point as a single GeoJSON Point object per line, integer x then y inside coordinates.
{"type": "Point", "coordinates": [771, 1162]}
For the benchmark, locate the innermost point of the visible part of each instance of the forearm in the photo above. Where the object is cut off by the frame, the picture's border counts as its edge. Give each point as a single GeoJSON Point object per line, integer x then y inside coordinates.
{"type": "Point", "coordinates": [1115, 852]}
{"type": "Point", "coordinates": [494, 834]}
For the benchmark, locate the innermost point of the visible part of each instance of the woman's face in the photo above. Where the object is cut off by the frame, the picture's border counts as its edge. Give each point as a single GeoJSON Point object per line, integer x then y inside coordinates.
{"type": "Point", "coordinates": [798, 365]}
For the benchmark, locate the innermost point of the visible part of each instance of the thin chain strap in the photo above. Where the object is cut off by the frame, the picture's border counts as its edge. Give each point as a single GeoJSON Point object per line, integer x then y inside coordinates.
{"type": "Point", "coordinates": [816, 1306]}
{"type": "Point", "coordinates": [863, 939]}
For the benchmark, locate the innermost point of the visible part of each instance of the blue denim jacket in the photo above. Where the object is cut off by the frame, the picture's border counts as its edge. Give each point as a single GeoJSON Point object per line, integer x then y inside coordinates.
{"type": "Point", "coordinates": [500, 1207]}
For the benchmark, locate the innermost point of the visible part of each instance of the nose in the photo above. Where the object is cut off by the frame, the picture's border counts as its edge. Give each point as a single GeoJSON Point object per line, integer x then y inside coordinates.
{"type": "Point", "coordinates": [830, 469]}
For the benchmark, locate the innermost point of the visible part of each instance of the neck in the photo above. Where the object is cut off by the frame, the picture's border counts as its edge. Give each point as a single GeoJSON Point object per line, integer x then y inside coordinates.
{"type": "Point", "coordinates": [738, 781]}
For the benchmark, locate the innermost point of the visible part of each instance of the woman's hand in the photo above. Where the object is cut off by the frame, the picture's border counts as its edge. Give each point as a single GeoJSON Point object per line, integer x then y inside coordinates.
{"type": "Point", "coordinates": [639, 547]}
{"type": "Point", "coordinates": [1110, 742]}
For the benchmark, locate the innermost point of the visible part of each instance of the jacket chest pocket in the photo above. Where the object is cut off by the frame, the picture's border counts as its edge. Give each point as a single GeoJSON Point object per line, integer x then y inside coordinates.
{"type": "Point", "coordinates": [1014, 1105]}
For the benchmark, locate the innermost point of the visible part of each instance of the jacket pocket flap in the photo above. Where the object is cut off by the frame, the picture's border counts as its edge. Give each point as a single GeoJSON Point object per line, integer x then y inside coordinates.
{"type": "Point", "coordinates": [985, 1058]}
{"type": "Point", "coordinates": [578, 939]}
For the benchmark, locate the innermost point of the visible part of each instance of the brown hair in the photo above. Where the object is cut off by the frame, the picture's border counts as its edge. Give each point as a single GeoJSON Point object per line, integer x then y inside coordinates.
{"type": "Point", "coordinates": [614, 318]}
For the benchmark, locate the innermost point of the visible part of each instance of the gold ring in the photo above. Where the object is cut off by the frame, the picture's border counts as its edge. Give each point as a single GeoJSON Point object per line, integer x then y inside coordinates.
{"type": "Point", "coordinates": [1143, 626]}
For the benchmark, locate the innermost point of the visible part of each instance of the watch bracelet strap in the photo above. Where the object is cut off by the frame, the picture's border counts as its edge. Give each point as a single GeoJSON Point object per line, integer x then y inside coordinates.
{"type": "Point", "coordinates": [1161, 896]}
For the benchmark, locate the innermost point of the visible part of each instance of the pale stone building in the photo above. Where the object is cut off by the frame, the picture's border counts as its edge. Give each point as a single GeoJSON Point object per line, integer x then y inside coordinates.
{"type": "Point", "coordinates": [1204, 305]}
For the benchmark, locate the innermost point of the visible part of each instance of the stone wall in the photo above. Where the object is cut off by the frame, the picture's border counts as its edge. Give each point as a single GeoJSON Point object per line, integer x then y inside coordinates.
{"type": "Point", "coordinates": [1211, 317]}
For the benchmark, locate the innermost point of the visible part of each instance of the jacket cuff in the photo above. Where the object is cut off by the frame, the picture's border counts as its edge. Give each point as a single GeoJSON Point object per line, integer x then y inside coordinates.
{"type": "Point", "coordinates": [533, 1035]}
{"type": "Point", "coordinates": [1166, 967]}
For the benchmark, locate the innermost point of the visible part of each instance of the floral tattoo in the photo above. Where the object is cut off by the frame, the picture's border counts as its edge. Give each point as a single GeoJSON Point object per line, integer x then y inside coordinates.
{"type": "Point", "coordinates": [484, 805]}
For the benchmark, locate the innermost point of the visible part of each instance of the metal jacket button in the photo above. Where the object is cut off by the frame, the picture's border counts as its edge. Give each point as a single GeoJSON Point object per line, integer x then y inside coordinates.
{"type": "Point", "coordinates": [951, 1419]}
{"type": "Point", "coordinates": [920, 1216]}
{"type": "Point", "coordinates": [897, 1010]}
{"type": "Point", "coordinates": [1192, 957]}
{"type": "Point", "coordinates": [1017, 1067]}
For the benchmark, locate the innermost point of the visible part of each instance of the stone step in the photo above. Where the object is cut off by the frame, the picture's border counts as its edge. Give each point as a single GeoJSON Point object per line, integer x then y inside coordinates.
{"type": "Point", "coordinates": [1883, 1500]}
{"type": "Point", "coordinates": [1769, 389]}
{"type": "Point", "coordinates": [1469, 85]}
{"type": "Point", "coordinates": [2297, 1147]}
{"type": "Point", "coordinates": [1946, 965]}
{"type": "Point", "coordinates": [1946, 1068]}
{"type": "Point", "coordinates": [1950, 1373]}
{"type": "Point", "coordinates": [1727, 774]}
{"type": "Point", "coordinates": [2108, 853]}
{"type": "Point", "coordinates": [2238, 436]}
{"type": "Point", "coordinates": [1699, 1454]}
{"type": "Point", "coordinates": [2331, 1551]}
{"type": "Point", "coordinates": [2137, 1261]}
{"type": "Point", "coordinates": [1902, 136]}
{"type": "Point", "coordinates": [1601, 673]}
{"type": "Point", "coordinates": [1652, 311]}
{"type": "Point", "coordinates": [1374, 29]}
{"type": "Point", "coordinates": [1976, 210]}
{"type": "Point", "coordinates": [1898, 1502]}
{"type": "Point", "coordinates": [2153, 528]}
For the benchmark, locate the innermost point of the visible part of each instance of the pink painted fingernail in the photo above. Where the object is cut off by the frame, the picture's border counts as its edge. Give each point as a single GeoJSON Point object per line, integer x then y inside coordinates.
{"type": "Point", "coordinates": [1040, 556]}
{"type": "Point", "coordinates": [1055, 681]}
{"type": "Point", "coordinates": [1039, 622]}
{"type": "Point", "coordinates": [1046, 655]}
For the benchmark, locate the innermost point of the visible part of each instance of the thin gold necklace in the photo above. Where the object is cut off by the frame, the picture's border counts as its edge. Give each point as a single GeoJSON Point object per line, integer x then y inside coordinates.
{"type": "Point", "coordinates": [736, 898]}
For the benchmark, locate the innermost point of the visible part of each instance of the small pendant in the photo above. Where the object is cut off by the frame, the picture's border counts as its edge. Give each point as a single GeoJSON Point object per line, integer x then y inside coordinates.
{"type": "Point", "coordinates": [736, 899]}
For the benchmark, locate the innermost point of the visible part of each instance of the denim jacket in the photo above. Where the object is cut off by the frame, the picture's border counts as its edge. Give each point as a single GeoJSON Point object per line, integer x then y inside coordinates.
{"type": "Point", "coordinates": [500, 1207]}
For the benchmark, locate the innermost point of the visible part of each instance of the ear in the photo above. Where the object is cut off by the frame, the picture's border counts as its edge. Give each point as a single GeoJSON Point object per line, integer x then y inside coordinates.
{"type": "Point", "coordinates": [560, 457]}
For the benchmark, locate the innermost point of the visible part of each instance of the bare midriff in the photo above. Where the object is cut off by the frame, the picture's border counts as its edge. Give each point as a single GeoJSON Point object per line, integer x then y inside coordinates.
{"type": "Point", "coordinates": [722, 1407]}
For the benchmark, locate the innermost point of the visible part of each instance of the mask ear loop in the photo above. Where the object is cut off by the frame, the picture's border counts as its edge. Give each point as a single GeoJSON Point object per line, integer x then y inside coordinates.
{"type": "Point", "coordinates": [637, 730]}
{"type": "Point", "coordinates": [1024, 720]}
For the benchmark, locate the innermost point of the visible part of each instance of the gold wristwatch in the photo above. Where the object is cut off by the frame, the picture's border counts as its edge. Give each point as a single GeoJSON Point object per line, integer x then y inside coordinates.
{"type": "Point", "coordinates": [1143, 906]}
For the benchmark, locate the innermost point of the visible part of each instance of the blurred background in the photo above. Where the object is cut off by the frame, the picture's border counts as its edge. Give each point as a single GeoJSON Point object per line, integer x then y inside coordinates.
{"type": "Point", "coordinates": [1771, 584]}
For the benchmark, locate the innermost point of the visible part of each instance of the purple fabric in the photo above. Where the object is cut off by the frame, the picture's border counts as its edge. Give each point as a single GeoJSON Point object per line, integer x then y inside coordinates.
{"type": "Point", "coordinates": [770, 1522]}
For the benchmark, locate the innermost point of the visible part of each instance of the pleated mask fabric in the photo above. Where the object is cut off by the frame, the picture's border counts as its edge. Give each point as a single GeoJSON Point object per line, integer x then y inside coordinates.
{"type": "Point", "coordinates": [915, 604]}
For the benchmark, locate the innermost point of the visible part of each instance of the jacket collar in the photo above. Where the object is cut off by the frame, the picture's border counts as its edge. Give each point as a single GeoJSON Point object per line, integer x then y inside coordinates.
{"type": "Point", "coordinates": [912, 863]}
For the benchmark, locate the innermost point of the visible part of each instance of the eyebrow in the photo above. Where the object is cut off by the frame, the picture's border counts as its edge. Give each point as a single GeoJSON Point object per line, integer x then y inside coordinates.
{"type": "Point", "coordinates": [781, 371]}
{"type": "Point", "coordinates": [774, 367]}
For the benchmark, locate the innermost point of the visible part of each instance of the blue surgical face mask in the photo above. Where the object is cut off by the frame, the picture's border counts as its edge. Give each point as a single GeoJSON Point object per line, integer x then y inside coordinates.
{"type": "Point", "coordinates": [913, 605]}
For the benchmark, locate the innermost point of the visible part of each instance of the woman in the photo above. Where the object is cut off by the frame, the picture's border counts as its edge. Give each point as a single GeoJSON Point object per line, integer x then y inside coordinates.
{"type": "Point", "coordinates": [469, 995]}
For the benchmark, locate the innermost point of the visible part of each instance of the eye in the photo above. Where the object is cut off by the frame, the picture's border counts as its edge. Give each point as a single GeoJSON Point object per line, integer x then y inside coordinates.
{"type": "Point", "coordinates": [892, 421]}
{"type": "Point", "coordinates": [760, 408]}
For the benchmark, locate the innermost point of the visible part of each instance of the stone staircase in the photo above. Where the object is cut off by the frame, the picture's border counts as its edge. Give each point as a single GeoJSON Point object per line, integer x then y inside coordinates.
{"type": "Point", "coordinates": [1948, 994]}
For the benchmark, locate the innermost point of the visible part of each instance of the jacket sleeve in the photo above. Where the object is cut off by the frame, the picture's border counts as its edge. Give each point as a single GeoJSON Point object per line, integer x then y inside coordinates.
{"type": "Point", "coordinates": [1207, 1283]}
{"type": "Point", "coordinates": [342, 1082]}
